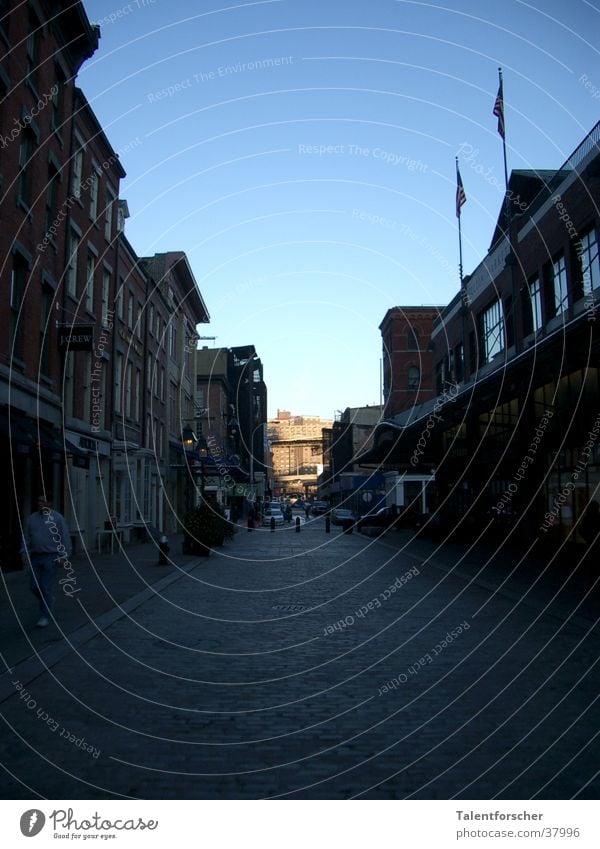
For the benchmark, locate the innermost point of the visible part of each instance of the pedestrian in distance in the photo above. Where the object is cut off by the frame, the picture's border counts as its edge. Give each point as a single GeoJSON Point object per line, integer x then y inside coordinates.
{"type": "Point", "coordinates": [46, 544]}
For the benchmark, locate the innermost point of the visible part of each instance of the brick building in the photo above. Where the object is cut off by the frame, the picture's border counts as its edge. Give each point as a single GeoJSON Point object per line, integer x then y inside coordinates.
{"type": "Point", "coordinates": [171, 275]}
{"type": "Point", "coordinates": [88, 297]}
{"type": "Point", "coordinates": [97, 350]}
{"type": "Point", "coordinates": [407, 360]}
{"type": "Point", "coordinates": [43, 46]}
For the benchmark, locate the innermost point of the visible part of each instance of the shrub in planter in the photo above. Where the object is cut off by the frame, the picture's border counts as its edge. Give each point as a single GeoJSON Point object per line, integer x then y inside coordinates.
{"type": "Point", "coordinates": [205, 527]}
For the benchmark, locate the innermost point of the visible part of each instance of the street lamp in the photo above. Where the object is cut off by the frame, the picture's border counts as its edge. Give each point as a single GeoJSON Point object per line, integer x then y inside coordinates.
{"type": "Point", "coordinates": [188, 441]}
{"type": "Point", "coordinates": [259, 425]}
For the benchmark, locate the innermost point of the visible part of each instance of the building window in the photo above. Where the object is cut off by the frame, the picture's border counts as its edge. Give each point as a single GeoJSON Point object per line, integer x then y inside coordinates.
{"type": "Point", "coordinates": [151, 320]}
{"type": "Point", "coordinates": [72, 267]}
{"type": "Point", "coordinates": [77, 171]}
{"type": "Point", "coordinates": [108, 216]}
{"type": "Point", "coordinates": [94, 193]}
{"type": "Point", "coordinates": [128, 381]}
{"type": "Point", "coordinates": [559, 285]}
{"type": "Point", "coordinates": [105, 297]}
{"type": "Point", "coordinates": [162, 383]}
{"type": "Point", "coordinates": [58, 101]}
{"type": "Point", "coordinates": [138, 323]}
{"type": "Point", "coordinates": [589, 264]}
{"type": "Point", "coordinates": [51, 197]}
{"type": "Point", "coordinates": [459, 363]}
{"type": "Point", "coordinates": [414, 378]}
{"type": "Point", "coordinates": [120, 300]}
{"type": "Point", "coordinates": [89, 283]}
{"type": "Point", "coordinates": [25, 155]}
{"type": "Point", "coordinates": [33, 50]}
{"type": "Point", "coordinates": [18, 282]}
{"type": "Point", "coordinates": [138, 384]}
{"type": "Point", "coordinates": [173, 341]}
{"type": "Point", "coordinates": [535, 300]}
{"type": "Point", "coordinates": [119, 383]}
{"type": "Point", "coordinates": [492, 331]}
{"type": "Point", "coordinates": [130, 312]}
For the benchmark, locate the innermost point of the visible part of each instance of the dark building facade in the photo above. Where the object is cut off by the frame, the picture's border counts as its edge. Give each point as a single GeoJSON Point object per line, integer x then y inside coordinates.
{"type": "Point", "coordinates": [513, 433]}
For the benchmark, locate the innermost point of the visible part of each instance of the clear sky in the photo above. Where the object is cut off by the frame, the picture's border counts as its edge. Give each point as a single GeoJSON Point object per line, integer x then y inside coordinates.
{"type": "Point", "coordinates": [302, 153]}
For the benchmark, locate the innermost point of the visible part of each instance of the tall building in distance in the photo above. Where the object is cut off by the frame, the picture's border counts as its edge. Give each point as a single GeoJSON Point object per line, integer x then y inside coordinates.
{"type": "Point", "coordinates": [407, 359]}
{"type": "Point", "coordinates": [297, 452]}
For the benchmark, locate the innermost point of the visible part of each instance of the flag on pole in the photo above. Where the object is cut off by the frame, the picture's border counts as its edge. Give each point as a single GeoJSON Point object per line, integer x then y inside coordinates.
{"type": "Point", "coordinates": [499, 109]}
{"type": "Point", "coordinates": [461, 197]}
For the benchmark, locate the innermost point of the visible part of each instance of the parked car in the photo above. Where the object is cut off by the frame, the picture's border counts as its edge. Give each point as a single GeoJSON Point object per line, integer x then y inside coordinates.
{"type": "Point", "coordinates": [388, 517]}
{"type": "Point", "coordinates": [273, 514]}
{"type": "Point", "coordinates": [319, 508]}
{"type": "Point", "coordinates": [339, 516]}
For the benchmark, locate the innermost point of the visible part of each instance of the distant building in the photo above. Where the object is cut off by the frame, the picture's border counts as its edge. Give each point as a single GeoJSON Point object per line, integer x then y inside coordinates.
{"type": "Point", "coordinates": [407, 358]}
{"type": "Point", "coordinates": [344, 480]}
{"type": "Point", "coordinates": [297, 452]}
{"type": "Point", "coordinates": [171, 275]}
{"type": "Point", "coordinates": [231, 405]}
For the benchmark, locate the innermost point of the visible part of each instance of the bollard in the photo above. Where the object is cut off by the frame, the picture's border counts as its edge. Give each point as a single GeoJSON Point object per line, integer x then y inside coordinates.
{"type": "Point", "coordinates": [163, 550]}
{"type": "Point", "coordinates": [327, 525]}
{"type": "Point", "coordinates": [297, 524]}
{"type": "Point", "coordinates": [272, 524]}
{"type": "Point", "coordinates": [348, 525]}
{"type": "Point", "coordinates": [250, 523]}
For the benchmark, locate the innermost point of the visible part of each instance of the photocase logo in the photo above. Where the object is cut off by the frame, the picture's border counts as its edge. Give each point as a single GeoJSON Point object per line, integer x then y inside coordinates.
{"type": "Point", "coordinates": [32, 822]}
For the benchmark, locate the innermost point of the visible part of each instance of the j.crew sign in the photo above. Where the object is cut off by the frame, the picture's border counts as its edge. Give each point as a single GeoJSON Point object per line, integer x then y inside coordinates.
{"type": "Point", "coordinates": [76, 337]}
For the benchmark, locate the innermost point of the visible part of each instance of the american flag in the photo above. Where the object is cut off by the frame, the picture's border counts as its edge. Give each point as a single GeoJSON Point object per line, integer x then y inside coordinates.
{"type": "Point", "coordinates": [499, 109]}
{"type": "Point", "coordinates": [461, 197]}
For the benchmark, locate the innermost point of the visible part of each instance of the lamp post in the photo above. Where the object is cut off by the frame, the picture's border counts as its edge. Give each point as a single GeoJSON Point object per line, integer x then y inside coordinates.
{"type": "Point", "coordinates": [189, 441]}
{"type": "Point", "coordinates": [259, 425]}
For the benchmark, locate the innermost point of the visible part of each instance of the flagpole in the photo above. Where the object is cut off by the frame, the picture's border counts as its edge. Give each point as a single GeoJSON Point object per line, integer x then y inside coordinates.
{"type": "Point", "coordinates": [501, 90]}
{"type": "Point", "coordinates": [460, 256]}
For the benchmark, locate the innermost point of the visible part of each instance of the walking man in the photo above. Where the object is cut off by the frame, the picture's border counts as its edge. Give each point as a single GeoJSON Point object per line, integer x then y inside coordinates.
{"type": "Point", "coordinates": [46, 543]}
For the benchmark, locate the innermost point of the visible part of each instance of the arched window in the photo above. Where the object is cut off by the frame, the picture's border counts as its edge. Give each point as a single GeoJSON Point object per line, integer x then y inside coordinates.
{"type": "Point", "coordinates": [414, 377]}
{"type": "Point", "coordinates": [412, 339]}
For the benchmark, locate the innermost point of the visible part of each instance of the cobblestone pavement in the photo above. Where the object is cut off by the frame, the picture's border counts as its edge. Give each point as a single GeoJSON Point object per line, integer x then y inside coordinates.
{"type": "Point", "coordinates": [307, 665]}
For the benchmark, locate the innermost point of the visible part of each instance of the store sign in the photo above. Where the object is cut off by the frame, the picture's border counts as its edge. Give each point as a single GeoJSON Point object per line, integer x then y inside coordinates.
{"type": "Point", "coordinates": [76, 337]}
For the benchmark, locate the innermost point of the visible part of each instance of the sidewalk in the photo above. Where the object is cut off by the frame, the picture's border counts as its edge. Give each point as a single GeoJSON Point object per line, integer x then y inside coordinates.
{"type": "Point", "coordinates": [97, 583]}
{"type": "Point", "coordinates": [564, 582]}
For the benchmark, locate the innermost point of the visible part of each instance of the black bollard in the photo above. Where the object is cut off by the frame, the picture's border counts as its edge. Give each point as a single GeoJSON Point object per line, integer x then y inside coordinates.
{"type": "Point", "coordinates": [250, 523]}
{"type": "Point", "coordinates": [297, 524]}
{"type": "Point", "coordinates": [163, 550]}
{"type": "Point", "coordinates": [272, 524]}
{"type": "Point", "coordinates": [327, 525]}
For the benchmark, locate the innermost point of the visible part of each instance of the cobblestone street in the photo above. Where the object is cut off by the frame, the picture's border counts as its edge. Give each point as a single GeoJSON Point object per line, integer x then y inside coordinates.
{"type": "Point", "coordinates": [306, 665]}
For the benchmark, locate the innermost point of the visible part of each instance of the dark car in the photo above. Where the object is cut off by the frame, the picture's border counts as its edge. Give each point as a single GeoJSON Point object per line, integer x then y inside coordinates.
{"type": "Point", "coordinates": [319, 508]}
{"type": "Point", "coordinates": [388, 517]}
{"type": "Point", "coordinates": [339, 516]}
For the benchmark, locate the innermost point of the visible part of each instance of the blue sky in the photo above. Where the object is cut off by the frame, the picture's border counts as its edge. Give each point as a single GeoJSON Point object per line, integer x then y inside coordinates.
{"type": "Point", "coordinates": [302, 154]}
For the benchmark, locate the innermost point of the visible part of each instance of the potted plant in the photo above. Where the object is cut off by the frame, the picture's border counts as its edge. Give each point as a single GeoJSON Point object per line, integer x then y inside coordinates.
{"type": "Point", "coordinates": [205, 527]}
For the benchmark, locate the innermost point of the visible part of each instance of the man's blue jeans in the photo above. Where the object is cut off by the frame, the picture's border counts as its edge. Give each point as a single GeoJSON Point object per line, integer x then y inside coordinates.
{"type": "Point", "coordinates": [43, 580]}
